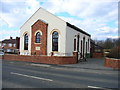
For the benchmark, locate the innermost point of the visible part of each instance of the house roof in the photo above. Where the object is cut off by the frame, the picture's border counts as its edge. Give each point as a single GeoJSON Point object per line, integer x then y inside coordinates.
{"type": "Point", "coordinates": [77, 29]}
{"type": "Point", "coordinates": [9, 41]}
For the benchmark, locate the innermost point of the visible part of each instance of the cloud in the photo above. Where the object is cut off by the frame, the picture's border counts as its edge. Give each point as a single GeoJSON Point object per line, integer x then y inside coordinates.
{"type": "Point", "coordinates": [15, 12]}
{"type": "Point", "coordinates": [113, 37]}
{"type": "Point", "coordinates": [9, 32]}
{"type": "Point", "coordinates": [107, 30]}
{"type": "Point", "coordinates": [96, 15]}
{"type": "Point", "coordinates": [82, 8]}
{"type": "Point", "coordinates": [3, 23]}
{"type": "Point", "coordinates": [97, 30]}
{"type": "Point", "coordinates": [89, 15]}
{"type": "Point", "coordinates": [5, 34]}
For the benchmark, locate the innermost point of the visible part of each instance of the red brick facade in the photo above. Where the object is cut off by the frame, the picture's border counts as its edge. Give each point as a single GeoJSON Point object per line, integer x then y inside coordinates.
{"type": "Point", "coordinates": [113, 63]}
{"type": "Point", "coordinates": [42, 59]}
{"type": "Point", "coordinates": [39, 26]}
{"type": "Point", "coordinates": [9, 47]}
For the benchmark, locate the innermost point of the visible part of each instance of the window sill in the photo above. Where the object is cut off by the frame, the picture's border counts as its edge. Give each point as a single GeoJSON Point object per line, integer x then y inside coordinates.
{"type": "Point", "coordinates": [25, 50]}
{"type": "Point", "coordinates": [37, 43]}
{"type": "Point", "coordinates": [55, 51]}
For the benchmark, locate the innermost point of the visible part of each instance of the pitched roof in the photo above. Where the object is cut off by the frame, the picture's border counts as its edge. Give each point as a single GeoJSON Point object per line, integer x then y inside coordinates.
{"type": "Point", "coordinates": [68, 24]}
{"type": "Point", "coordinates": [77, 29]}
{"type": "Point", "coordinates": [9, 41]}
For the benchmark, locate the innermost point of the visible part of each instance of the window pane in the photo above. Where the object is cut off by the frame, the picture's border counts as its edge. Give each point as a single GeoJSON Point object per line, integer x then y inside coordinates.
{"type": "Point", "coordinates": [38, 37]}
{"type": "Point", "coordinates": [26, 42]}
{"type": "Point", "coordinates": [55, 41]}
{"type": "Point", "coordinates": [10, 45]}
{"type": "Point", "coordinates": [14, 45]}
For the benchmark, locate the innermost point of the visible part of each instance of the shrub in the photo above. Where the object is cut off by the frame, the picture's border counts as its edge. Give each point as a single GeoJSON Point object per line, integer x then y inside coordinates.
{"type": "Point", "coordinates": [114, 53]}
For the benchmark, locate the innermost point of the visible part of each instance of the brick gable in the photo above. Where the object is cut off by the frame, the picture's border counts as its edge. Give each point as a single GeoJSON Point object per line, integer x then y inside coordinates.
{"type": "Point", "coordinates": [39, 26]}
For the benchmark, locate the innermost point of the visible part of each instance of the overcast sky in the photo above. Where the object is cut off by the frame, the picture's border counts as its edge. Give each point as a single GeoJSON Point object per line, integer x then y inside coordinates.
{"type": "Point", "coordinates": [97, 17]}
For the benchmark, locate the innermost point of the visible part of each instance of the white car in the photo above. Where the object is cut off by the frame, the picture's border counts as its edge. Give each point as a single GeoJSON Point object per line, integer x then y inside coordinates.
{"type": "Point", "coordinates": [1, 52]}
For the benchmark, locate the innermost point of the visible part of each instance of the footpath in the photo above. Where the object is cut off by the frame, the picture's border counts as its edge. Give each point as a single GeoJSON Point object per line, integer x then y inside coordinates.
{"type": "Point", "coordinates": [90, 64]}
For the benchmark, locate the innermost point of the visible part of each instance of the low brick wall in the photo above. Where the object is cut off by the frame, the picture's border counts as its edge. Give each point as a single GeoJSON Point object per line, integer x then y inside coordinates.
{"type": "Point", "coordinates": [42, 59]}
{"type": "Point", "coordinates": [111, 62]}
{"type": "Point", "coordinates": [1, 57]}
{"type": "Point", "coordinates": [97, 55]}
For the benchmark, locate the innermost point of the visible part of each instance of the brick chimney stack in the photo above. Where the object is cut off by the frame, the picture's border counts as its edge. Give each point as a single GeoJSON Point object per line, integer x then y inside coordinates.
{"type": "Point", "coordinates": [10, 37]}
{"type": "Point", "coordinates": [17, 42]}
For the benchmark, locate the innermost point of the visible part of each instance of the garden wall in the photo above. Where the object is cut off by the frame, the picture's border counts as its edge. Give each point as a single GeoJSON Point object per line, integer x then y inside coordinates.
{"type": "Point", "coordinates": [111, 62]}
{"type": "Point", "coordinates": [42, 59]}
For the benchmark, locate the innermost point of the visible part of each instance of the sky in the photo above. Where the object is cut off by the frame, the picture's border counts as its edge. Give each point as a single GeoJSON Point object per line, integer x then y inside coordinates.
{"type": "Point", "coordinates": [99, 18]}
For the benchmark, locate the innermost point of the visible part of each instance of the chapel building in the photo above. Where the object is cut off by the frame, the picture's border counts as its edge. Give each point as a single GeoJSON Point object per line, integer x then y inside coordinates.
{"type": "Point", "coordinates": [46, 34]}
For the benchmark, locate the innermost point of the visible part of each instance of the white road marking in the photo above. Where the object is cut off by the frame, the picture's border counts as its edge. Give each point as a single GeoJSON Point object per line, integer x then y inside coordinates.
{"type": "Point", "coordinates": [40, 65]}
{"type": "Point", "coordinates": [98, 87]}
{"type": "Point", "coordinates": [31, 76]}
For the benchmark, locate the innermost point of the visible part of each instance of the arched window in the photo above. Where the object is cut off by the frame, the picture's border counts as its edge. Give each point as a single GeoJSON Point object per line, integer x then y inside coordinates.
{"type": "Point", "coordinates": [26, 42]}
{"type": "Point", "coordinates": [38, 37]}
{"type": "Point", "coordinates": [55, 41]}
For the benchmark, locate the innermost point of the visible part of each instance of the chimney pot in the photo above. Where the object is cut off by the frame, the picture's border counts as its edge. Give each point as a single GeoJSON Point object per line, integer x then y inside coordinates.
{"type": "Point", "coordinates": [10, 37]}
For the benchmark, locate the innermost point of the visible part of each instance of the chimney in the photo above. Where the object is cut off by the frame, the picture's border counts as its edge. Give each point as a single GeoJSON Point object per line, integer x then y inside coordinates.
{"type": "Point", "coordinates": [10, 37]}
{"type": "Point", "coordinates": [17, 42]}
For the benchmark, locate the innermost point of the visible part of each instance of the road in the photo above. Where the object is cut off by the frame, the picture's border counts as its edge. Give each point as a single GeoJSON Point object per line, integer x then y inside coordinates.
{"type": "Point", "coordinates": [29, 75]}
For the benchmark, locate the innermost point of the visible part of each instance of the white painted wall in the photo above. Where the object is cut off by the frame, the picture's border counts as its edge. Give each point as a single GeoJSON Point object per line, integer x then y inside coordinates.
{"type": "Point", "coordinates": [70, 35]}
{"type": "Point", "coordinates": [53, 23]}
{"type": "Point", "coordinates": [22, 32]}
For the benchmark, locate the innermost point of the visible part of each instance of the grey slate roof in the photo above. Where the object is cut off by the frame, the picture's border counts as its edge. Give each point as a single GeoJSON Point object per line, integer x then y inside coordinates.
{"type": "Point", "coordinates": [77, 29]}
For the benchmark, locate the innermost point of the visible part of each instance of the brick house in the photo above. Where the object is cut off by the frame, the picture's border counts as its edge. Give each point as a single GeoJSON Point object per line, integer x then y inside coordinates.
{"type": "Point", "coordinates": [10, 45]}
{"type": "Point", "coordinates": [46, 34]}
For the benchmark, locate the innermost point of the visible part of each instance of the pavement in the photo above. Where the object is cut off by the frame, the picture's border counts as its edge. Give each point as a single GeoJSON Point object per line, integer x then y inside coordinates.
{"type": "Point", "coordinates": [91, 63]}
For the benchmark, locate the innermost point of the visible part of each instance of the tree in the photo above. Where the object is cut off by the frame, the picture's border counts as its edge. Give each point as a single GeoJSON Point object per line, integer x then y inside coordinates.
{"type": "Point", "coordinates": [108, 44]}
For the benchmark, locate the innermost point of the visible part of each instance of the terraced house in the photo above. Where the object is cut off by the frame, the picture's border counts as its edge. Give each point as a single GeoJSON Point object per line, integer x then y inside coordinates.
{"type": "Point", "coordinates": [45, 34]}
{"type": "Point", "coordinates": [10, 45]}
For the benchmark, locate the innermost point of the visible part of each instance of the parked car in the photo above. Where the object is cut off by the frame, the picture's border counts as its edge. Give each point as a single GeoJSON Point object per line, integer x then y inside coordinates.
{"type": "Point", "coordinates": [1, 52]}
